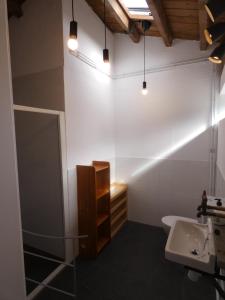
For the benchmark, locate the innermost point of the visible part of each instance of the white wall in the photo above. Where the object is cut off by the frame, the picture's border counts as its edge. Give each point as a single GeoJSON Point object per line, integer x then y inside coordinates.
{"type": "Point", "coordinates": [12, 283]}
{"type": "Point", "coordinates": [89, 100]}
{"type": "Point", "coordinates": [162, 139]}
{"type": "Point", "coordinates": [220, 118]}
{"type": "Point", "coordinates": [36, 38]}
{"type": "Point", "coordinates": [36, 41]}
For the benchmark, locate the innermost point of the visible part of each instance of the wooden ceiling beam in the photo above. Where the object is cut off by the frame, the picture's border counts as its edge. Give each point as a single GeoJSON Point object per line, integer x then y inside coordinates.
{"type": "Point", "coordinates": [124, 21]}
{"type": "Point", "coordinates": [203, 24]}
{"type": "Point", "coordinates": [161, 21]}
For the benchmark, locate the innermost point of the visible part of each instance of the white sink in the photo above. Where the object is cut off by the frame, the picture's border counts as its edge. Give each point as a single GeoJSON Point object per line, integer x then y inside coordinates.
{"type": "Point", "coordinates": [192, 244]}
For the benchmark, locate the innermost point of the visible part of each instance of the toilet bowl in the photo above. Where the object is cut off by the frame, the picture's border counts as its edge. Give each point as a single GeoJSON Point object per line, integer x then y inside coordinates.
{"type": "Point", "coordinates": [168, 221]}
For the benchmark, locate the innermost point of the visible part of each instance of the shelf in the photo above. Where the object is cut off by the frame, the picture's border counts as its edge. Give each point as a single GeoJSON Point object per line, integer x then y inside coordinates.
{"type": "Point", "coordinates": [115, 207]}
{"type": "Point", "coordinates": [120, 214]}
{"type": "Point", "coordinates": [99, 168]}
{"type": "Point", "coordinates": [102, 218]}
{"type": "Point", "coordinates": [101, 193]}
{"type": "Point", "coordinates": [93, 194]}
{"type": "Point", "coordinates": [102, 243]}
{"type": "Point", "coordinates": [114, 232]}
{"type": "Point", "coordinates": [116, 190]}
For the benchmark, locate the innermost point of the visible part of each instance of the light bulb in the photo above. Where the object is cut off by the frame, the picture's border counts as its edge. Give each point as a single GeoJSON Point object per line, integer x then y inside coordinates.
{"type": "Point", "coordinates": [106, 62]}
{"type": "Point", "coordinates": [144, 92]}
{"type": "Point", "coordinates": [144, 88]}
{"type": "Point", "coordinates": [106, 66]}
{"type": "Point", "coordinates": [72, 41]}
{"type": "Point", "coordinates": [72, 44]}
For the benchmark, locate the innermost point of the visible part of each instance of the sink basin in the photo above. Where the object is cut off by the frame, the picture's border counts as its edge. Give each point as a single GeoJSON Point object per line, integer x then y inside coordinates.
{"type": "Point", "coordinates": [192, 244]}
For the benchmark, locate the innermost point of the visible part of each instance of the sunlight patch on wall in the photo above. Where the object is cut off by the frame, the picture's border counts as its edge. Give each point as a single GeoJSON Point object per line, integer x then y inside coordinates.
{"type": "Point", "coordinates": [165, 154]}
{"type": "Point", "coordinates": [219, 117]}
{"type": "Point", "coordinates": [223, 90]}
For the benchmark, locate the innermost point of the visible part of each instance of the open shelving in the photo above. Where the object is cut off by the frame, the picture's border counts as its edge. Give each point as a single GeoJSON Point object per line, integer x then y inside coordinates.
{"type": "Point", "coordinates": [118, 207]}
{"type": "Point", "coordinates": [93, 191]}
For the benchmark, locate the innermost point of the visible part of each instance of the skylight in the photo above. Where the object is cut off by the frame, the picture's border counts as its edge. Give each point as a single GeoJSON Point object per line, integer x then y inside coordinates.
{"type": "Point", "coordinates": [137, 8]}
{"type": "Point", "coordinates": [135, 3]}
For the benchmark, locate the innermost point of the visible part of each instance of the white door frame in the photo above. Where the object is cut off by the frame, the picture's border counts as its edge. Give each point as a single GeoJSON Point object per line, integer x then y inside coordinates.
{"type": "Point", "coordinates": [63, 151]}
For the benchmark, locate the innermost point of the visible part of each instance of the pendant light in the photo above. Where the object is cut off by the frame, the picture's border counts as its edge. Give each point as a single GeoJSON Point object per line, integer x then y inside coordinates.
{"type": "Point", "coordinates": [214, 32]}
{"type": "Point", "coordinates": [144, 84]}
{"type": "Point", "coordinates": [145, 26]}
{"type": "Point", "coordinates": [218, 54]}
{"type": "Point", "coordinates": [72, 41]}
{"type": "Point", "coordinates": [215, 8]}
{"type": "Point", "coordinates": [105, 50]}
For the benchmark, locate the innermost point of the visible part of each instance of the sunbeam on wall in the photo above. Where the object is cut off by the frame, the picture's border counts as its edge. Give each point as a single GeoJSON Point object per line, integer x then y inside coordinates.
{"type": "Point", "coordinates": [219, 117]}
{"type": "Point", "coordinates": [165, 154]}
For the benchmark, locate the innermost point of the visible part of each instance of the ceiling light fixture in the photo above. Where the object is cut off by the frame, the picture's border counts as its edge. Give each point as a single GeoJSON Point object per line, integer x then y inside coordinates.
{"type": "Point", "coordinates": [144, 84]}
{"type": "Point", "coordinates": [214, 32]}
{"type": "Point", "coordinates": [72, 41]}
{"type": "Point", "coordinates": [218, 54]}
{"type": "Point", "coordinates": [145, 25]}
{"type": "Point", "coordinates": [215, 8]}
{"type": "Point", "coordinates": [105, 51]}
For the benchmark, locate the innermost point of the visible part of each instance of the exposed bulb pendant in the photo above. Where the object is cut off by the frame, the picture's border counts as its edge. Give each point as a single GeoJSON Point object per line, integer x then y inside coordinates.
{"type": "Point", "coordinates": [144, 88]}
{"type": "Point", "coordinates": [105, 51]}
{"type": "Point", "coordinates": [106, 56]}
{"type": "Point", "coordinates": [72, 42]}
{"type": "Point", "coordinates": [144, 84]}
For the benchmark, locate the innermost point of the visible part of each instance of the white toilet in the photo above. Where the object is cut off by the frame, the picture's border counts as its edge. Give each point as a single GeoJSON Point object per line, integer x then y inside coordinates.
{"type": "Point", "coordinates": [168, 222]}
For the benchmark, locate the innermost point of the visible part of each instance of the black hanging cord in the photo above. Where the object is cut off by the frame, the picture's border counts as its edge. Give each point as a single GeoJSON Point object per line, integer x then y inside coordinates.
{"type": "Point", "coordinates": [105, 24]}
{"type": "Point", "coordinates": [144, 55]}
{"type": "Point", "coordinates": [72, 10]}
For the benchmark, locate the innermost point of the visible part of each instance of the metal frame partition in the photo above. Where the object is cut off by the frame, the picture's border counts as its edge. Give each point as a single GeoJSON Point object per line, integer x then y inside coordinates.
{"type": "Point", "coordinates": [68, 238]}
{"type": "Point", "coordinates": [46, 282]}
{"type": "Point", "coordinates": [62, 135]}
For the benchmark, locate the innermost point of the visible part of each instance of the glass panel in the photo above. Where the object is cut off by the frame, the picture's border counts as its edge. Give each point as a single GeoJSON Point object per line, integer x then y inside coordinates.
{"type": "Point", "coordinates": [135, 3]}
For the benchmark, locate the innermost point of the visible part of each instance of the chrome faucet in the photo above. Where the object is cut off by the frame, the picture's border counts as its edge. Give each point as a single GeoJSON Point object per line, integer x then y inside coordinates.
{"type": "Point", "coordinates": [203, 208]}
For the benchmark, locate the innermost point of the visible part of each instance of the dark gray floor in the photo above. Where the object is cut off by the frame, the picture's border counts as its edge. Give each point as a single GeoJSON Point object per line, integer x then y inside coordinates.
{"type": "Point", "coordinates": [131, 267]}
{"type": "Point", "coordinates": [37, 268]}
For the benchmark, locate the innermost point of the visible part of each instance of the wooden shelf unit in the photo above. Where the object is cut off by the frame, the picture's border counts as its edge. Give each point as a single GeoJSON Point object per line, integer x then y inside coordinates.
{"type": "Point", "coordinates": [93, 192]}
{"type": "Point", "coordinates": [118, 207]}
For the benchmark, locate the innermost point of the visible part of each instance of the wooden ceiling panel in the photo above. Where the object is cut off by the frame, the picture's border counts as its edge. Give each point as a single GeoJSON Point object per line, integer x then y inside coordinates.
{"type": "Point", "coordinates": [193, 13]}
{"type": "Point", "coordinates": [179, 19]}
{"type": "Point", "coordinates": [187, 36]}
{"type": "Point", "coordinates": [182, 20]}
{"type": "Point", "coordinates": [184, 27]}
{"type": "Point", "coordinates": [180, 4]}
{"type": "Point", "coordinates": [183, 17]}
